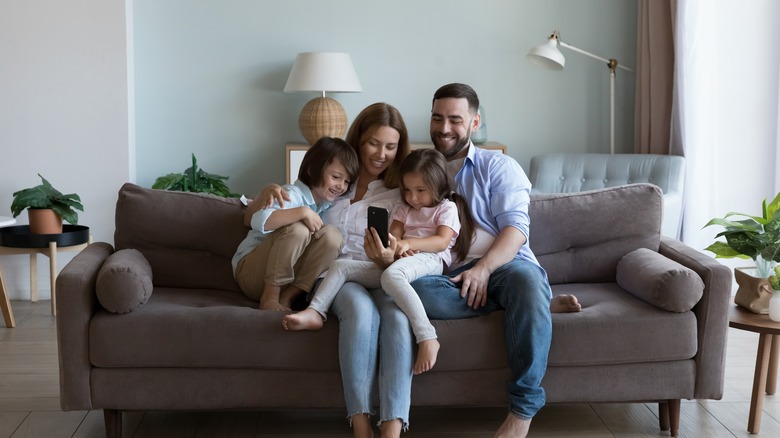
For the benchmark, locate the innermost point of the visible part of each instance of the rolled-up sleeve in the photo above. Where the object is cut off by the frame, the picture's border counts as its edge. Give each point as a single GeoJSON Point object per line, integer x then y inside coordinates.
{"type": "Point", "coordinates": [510, 195]}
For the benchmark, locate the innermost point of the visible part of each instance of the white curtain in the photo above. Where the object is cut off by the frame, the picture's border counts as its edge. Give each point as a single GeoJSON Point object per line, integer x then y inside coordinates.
{"type": "Point", "coordinates": [726, 110]}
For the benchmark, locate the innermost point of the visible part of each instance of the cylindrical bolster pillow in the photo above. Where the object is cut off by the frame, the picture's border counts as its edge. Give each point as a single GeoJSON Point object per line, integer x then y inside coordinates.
{"type": "Point", "coordinates": [124, 281]}
{"type": "Point", "coordinates": [659, 281]}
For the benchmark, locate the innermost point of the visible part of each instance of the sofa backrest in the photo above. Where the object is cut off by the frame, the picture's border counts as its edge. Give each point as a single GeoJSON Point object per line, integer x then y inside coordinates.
{"type": "Point", "coordinates": [580, 237]}
{"type": "Point", "coordinates": [569, 172]}
{"type": "Point", "coordinates": [188, 238]}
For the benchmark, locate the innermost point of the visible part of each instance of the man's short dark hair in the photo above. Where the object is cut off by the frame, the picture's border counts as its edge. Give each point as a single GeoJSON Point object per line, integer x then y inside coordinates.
{"type": "Point", "coordinates": [458, 91]}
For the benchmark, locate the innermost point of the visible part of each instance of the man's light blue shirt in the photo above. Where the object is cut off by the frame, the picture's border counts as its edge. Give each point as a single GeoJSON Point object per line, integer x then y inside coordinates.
{"type": "Point", "coordinates": [498, 193]}
{"type": "Point", "coordinates": [300, 195]}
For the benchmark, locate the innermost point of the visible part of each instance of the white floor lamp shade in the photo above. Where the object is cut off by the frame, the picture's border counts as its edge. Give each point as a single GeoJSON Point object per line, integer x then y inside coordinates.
{"type": "Point", "coordinates": [322, 72]}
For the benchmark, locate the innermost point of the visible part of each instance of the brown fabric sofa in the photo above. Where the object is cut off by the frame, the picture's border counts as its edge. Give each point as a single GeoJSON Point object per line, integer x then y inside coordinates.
{"type": "Point", "coordinates": [189, 340]}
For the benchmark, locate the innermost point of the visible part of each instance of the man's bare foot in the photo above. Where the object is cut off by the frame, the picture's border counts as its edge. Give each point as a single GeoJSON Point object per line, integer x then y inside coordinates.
{"type": "Point", "coordinates": [513, 427]}
{"type": "Point", "coordinates": [307, 319]}
{"type": "Point", "coordinates": [426, 355]}
{"type": "Point", "coordinates": [564, 304]}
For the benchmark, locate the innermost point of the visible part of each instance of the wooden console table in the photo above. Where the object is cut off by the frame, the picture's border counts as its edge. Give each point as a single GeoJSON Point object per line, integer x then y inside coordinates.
{"type": "Point", "coordinates": [18, 240]}
{"type": "Point", "coordinates": [765, 376]}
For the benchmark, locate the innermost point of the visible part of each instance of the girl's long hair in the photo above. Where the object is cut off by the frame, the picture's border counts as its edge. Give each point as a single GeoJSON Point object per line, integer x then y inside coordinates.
{"type": "Point", "coordinates": [431, 165]}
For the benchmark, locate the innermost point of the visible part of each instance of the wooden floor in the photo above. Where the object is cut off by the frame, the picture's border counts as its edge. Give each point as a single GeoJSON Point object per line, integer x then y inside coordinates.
{"type": "Point", "coordinates": [29, 405]}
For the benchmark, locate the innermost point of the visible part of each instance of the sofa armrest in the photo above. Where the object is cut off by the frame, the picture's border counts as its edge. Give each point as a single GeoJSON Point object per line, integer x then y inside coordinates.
{"type": "Point", "coordinates": [76, 303]}
{"type": "Point", "coordinates": [711, 315]}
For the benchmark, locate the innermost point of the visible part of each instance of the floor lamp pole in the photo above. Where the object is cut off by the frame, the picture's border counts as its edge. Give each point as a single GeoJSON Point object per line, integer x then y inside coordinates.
{"type": "Point", "coordinates": [612, 111]}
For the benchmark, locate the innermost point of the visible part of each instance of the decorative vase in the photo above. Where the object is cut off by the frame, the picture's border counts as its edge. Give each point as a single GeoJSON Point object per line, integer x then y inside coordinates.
{"type": "Point", "coordinates": [480, 135]}
{"type": "Point", "coordinates": [774, 306]}
{"type": "Point", "coordinates": [44, 221]}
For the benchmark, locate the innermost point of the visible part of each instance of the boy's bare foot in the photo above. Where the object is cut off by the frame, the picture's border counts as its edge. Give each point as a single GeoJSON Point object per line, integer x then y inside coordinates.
{"type": "Point", "coordinates": [288, 295]}
{"type": "Point", "coordinates": [273, 305]}
{"type": "Point", "coordinates": [426, 355]}
{"type": "Point", "coordinates": [269, 299]}
{"type": "Point", "coordinates": [564, 304]}
{"type": "Point", "coordinates": [513, 427]}
{"type": "Point", "coordinates": [307, 319]}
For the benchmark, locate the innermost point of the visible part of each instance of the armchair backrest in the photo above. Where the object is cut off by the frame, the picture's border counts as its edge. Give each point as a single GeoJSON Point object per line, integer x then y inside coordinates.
{"type": "Point", "coordinates": [577, 172]}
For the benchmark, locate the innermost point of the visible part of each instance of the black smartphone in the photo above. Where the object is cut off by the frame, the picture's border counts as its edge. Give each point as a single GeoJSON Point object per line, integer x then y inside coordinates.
{"type": "Point", "coordinates": [378, 219]}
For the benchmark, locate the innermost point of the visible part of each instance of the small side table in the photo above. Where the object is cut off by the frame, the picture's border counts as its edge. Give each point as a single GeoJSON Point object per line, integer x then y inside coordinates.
{"type": "Point", "coordinates": [765, 376]}
{"type": "Point", "coordinates": [18, 240]}
{"type": "Point", "coordinates": [5, 303]}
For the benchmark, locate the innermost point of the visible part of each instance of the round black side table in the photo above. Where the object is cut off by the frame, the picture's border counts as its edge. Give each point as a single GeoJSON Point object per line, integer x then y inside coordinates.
{"type": "Point", "coordinates": [18, 240]}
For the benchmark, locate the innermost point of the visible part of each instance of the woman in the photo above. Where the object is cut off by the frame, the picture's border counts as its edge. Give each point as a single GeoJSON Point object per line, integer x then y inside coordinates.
{"type": "Point", "coordinates": [381, 142]}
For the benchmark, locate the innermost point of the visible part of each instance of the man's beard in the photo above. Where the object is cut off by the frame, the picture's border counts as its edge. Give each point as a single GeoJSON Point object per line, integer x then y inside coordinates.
{"type": "Point", "coordinates": [456, 149]}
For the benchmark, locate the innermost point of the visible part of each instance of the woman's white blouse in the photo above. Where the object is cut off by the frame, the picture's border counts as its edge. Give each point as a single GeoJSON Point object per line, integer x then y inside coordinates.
{"type": "Point", "coordinates": [352, 218]}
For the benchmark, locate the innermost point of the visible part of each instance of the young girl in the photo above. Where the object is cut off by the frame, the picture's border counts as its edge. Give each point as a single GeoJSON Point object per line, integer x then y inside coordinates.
{"type": "Point", "coordinates": [424, 229]}
{"type": "Point", "coordinates": [289, 246]}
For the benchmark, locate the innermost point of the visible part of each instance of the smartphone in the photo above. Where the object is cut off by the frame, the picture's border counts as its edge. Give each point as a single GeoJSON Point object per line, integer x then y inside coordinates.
{"type": "Point", "coordinates": [378, 219]}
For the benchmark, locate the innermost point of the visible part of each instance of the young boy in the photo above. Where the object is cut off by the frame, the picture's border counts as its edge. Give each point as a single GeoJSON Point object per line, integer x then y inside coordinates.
{"type": "Point", "coordinates": [288, 248]}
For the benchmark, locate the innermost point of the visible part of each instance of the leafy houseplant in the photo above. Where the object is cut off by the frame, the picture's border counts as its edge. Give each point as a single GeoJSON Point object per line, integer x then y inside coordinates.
{"type": "Point", "coordinates": [44, 196]}
{"type": "Point", "coordinates": [755, 237]}
{"type": "Point", "coordinates": [194, 179]}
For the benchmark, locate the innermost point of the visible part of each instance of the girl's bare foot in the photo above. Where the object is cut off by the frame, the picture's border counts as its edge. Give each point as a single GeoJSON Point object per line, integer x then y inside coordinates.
{"type": "Point", "coordinates": [564, 304]}
{"type": "Point", "coordinates": [307, 319]}
{"type": "Point", "coordinates": [426, 355]}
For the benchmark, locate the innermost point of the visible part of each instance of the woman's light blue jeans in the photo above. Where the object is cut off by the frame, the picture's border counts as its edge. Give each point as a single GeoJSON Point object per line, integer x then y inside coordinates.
{"type": "Point", "coordinates": [371, 326]}
{"type": "Point", "coordinates": [520, 288]}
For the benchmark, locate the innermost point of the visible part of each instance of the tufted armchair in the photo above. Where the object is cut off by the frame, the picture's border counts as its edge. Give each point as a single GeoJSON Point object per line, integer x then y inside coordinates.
{"type": "Point", "coordinates": [577, 172]}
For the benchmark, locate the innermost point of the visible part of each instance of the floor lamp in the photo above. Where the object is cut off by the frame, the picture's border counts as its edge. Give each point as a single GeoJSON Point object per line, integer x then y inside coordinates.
{"type": "Point", "coordinates": [548, 56]}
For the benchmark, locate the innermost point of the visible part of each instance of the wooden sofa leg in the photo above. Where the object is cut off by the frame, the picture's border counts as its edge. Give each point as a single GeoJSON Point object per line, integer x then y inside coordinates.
{"type": "Point", "coordinates": [113, 420]}
{"type": "Point", "coordinates": [674, 416]}
{"type": "Point", "coordinates": [663, 415]}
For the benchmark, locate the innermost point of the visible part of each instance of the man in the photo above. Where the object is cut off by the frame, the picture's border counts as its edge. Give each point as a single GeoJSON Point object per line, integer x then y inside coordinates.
{"type": "Point", "coordinates": [500, 270]}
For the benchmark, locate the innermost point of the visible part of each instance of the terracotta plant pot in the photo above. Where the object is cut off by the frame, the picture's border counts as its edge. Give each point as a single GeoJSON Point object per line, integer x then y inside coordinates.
{"type": "Point", "coordinates": [44, 221]}
{"type": "Point", "coordinates": [753, 293]}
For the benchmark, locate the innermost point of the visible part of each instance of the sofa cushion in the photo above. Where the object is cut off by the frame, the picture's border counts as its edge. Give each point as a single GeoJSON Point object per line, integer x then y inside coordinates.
{"type": "Point", "coordinates": [659, 281]}
{"type": "Point", "coordinates": [614, 328]}
{"type": "Point", "coordinates": [124, 282]}
{"type": "Point", "coordinates": [188, 238]}
{"type": "Point", "coordinates": [580, 237]}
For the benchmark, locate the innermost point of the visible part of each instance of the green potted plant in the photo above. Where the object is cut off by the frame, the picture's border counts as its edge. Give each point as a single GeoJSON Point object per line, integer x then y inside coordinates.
{"type": "Point", "coordinates": [756, 238]}
{"type": "Point", "coordinates": [194, 179]}
{"type": "Point", "coordinates": [47, 207]}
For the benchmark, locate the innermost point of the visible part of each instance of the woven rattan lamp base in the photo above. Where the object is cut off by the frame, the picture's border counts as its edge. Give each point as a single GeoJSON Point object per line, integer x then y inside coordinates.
{"type": "Point", "coordinates": [322, 117]}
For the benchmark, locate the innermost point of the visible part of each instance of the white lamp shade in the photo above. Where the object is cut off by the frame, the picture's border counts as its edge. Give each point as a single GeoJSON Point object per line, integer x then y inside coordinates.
{"type": "Point", "coordinates": [547, 55]}
{"type": "Point", "coordinates": [317, 71]}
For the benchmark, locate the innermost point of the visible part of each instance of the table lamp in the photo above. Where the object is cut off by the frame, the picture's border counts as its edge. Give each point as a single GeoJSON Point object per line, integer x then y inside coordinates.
{"type": "Point", "coordinates": [322, 72]}
{"type": "Point", "coordinates": [548, 56]}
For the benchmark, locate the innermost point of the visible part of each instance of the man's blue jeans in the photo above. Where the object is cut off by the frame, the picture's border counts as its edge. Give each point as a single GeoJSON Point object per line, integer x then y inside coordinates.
{"type": "Point", "coordinates": [520, 288]}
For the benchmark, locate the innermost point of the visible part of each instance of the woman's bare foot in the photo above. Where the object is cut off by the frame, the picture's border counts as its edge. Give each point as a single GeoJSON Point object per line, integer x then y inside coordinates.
{"type": "Point", "coordinates": [564, 304]}
{"type": "Point", "coordinates": [361, 426]}
{"type": "Point", "coordinates": [391, 428]}
{"type": "Point", "coordinates": [426, 355]}
{"type": "Point", "coordinates": [307, 319]}
{"type": "Point", "coordinates": [513, 427]}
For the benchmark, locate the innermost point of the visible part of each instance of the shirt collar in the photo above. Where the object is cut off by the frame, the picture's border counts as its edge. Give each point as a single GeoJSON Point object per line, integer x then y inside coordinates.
{"type": "Point", "coordinates": [308, 197]}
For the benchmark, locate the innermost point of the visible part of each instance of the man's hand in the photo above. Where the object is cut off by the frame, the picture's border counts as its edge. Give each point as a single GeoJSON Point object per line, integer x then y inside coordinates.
{"type": "Point", "coordinates": [474, 284]}
{"type": "Point", "coordinates": [270, 193]}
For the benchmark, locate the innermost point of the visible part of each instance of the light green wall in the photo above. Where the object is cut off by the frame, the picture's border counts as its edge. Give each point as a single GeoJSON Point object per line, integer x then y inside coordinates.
{"type": "Point", "coordinates": [209, 75]}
